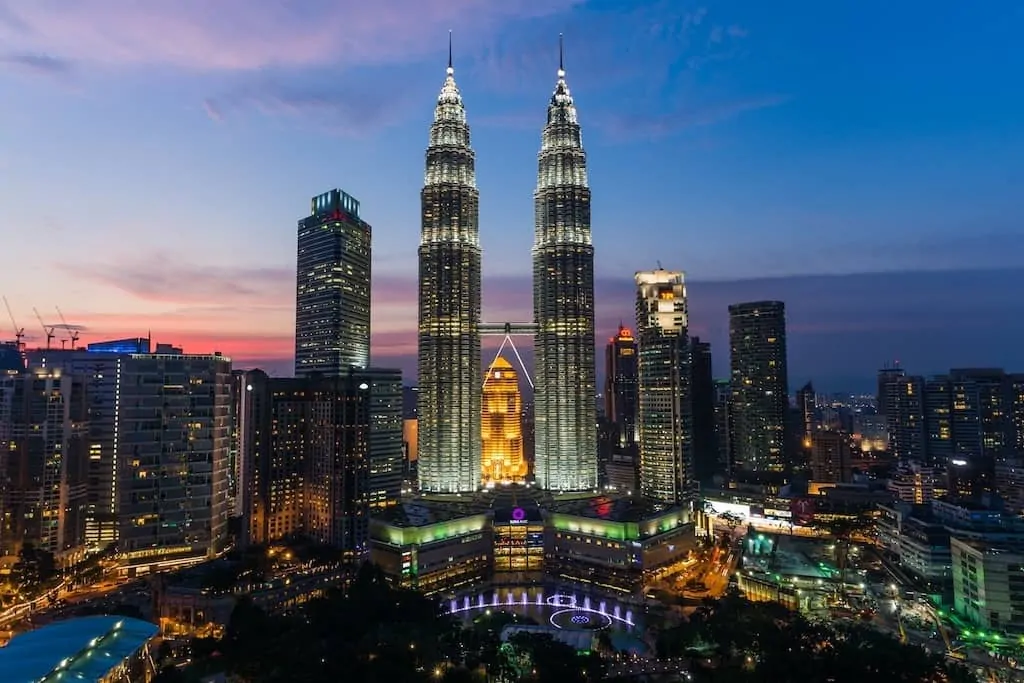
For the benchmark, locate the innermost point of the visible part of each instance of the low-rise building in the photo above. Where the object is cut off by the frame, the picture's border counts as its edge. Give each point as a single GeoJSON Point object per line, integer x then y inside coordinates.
{"type": "Point", "coordinates": [104, 649]}
{"type": "Point", "coordinates": [446, 545]}
{"type": "Point", "coordinates": [988, 583]}
{"type": "Point", "coordinates": [433, 548]}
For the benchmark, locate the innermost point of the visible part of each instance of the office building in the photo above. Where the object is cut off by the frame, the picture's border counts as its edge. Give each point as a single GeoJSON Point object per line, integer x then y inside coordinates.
{"type": "Point", "coordinates": [723, 426]}
{"type": "Point", "coordinates": [158, 447]}
{"type": "Point", "coordinates": [915, 483]}
{"type": "Point", "coordinates": [760, 387]}
{"type": "Point", "coordinates": [563, 305]}
{"type": "Point", "coordinates": [988, 584]}
{"type": "Point", "coordinates": [386, 452]}
{"type": "Point", "coordinates": [502, 420]}
{"type": "Point", "coordinates": [665, 416]}
{"type": "Point", "coordinates": [620, 389]}
{"type": "Point", "coordinates": [807, 407]}
{"type": "Point", "coordinates": [44, 436]}
{"type": "Point", "coordinates": [320, 453]}
{"type": "Point", "coordinates": [103, 367]}
{"type": "Point", "coordinates": [173, 442]}
{"type": "Point", "coordinates": [450, 373]}
{"type": "Point", "coordinates": [831, 457]}
{"type": "Point", "coordinates": [702, 391]}
{"type": "Point", "coordinates": [332, 302]}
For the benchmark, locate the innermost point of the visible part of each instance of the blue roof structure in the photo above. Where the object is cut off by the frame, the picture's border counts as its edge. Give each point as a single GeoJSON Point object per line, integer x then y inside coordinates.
{"type": "Point", "coordinates": [81, 650]}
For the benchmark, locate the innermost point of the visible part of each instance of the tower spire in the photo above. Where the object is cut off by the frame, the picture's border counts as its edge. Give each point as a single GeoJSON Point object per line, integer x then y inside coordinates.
{"type": "Point", "coordinates": [561, 56]}
{"type": "Point", "coordinates": [451, 69]}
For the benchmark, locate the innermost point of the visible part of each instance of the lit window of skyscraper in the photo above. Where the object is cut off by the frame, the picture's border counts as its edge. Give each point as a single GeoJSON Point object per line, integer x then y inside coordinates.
{"type": "Point", "coordinates": [332, 311]}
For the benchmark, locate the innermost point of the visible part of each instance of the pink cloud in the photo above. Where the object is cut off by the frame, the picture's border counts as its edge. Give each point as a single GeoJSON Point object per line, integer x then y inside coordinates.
{"type": "Point", "coordinates": [241, 34]}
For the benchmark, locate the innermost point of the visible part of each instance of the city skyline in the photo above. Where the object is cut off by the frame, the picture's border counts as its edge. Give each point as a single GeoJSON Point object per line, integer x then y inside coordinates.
{"type": "Point", "coordinates": [777, 183]}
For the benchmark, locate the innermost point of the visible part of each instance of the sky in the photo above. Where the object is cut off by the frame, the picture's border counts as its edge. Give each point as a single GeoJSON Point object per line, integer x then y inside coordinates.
{"type": "Point", "coordinates": [861, 160]}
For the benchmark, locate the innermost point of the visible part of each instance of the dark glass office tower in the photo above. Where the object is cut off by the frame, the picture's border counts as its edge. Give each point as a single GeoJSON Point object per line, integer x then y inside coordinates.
{"type": "Point", "coordinates": [563, 305]}
{"type": "Point", "coordinates": [760, 387]}
{"type": "Point", "coordinates": [450, 374]}
{"type": "Point", "coordinates": [702, 389]}
{"type": "Point", "coordinates": [332, 308]}
{"type": "Point", "coordinates": [620, 389]}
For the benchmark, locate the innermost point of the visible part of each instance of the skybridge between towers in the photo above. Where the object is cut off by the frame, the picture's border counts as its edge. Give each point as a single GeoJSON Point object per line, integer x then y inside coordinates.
{"type": "Point", "coordinates": [509, 330]}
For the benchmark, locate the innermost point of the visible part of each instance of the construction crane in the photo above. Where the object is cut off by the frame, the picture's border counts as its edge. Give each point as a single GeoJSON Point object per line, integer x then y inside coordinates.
{"type": "Point", "coordinates": [73, 333]}
{"type": "Point", "coordinates": [49, 330]}
{"type": "Point", "coordinates": [19, 332]}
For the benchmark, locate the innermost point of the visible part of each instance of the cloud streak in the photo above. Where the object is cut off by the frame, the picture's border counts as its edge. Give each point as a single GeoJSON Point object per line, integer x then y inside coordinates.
{"type": "Point", "coordinates": [245, 35]}
{"type": "Point", "coordinates": [38, 64]}
{"type": "Point", "coordinates": [159, 278]}
{"type": "Point", "coordinates": [623, 127]}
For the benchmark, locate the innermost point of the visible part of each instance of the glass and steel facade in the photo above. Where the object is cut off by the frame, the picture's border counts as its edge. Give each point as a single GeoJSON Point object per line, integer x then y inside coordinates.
{"type": "Point", "coordinates": [450, 374]}
{"type": "Point", "coordinates": [665, 416]}
{"type": "Point", "coordinates": [760, 387]}
{"type": "Point", "coordinates": [563, 304]}
{"type": "Point", "coordinates": [332, 306]}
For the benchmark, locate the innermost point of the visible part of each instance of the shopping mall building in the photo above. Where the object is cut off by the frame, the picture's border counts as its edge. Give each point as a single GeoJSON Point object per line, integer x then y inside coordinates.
{"type": "Point", "coordinates": [521, 536]}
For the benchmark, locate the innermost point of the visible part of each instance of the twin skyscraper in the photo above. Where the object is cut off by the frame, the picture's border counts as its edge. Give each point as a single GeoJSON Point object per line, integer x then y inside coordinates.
{"type": "Point", "coordinates": [450, 326]}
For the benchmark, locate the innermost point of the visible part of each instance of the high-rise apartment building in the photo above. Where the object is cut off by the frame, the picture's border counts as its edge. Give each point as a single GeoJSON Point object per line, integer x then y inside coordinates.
{"type": "Point", "coordinates": [903, 402]}
{"type": "Point", "coordinates": [332, 303]}
{"type": "Point", "coordinates": [665, 418]}
{"type": "Point", "coordinates": [620, 389]}
{"type": "Point", "coordinates": [563, 305]}
{"type": "Point", "coordinates": [502, 420]}
{"type": "Point", "coordinates": [43, 431]}
{"type": "Point", "coordinates": [760, 386]}
{"type": "Point", "coordinates": [450, 373]}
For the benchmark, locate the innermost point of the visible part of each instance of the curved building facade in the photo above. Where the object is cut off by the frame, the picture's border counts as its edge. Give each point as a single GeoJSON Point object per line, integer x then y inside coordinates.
{"type": "Point", "coordinates": [450, 374]}
{"type": "Point", "coordinates": [502, 418]}
{"type": "Point", "coordinates": [563, 304]}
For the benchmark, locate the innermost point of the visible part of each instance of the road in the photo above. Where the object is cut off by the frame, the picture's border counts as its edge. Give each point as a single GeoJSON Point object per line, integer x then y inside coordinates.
{"type": "Point", "coordinates": [62, 592]}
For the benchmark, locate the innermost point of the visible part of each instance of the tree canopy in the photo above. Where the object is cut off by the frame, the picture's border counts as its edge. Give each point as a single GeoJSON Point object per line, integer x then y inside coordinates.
{"type": "Point", "coordinates": [739, 640]}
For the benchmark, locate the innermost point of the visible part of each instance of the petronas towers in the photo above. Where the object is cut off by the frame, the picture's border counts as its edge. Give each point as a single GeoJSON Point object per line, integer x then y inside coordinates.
{"type": "Point", "coordinates": [450, 374]}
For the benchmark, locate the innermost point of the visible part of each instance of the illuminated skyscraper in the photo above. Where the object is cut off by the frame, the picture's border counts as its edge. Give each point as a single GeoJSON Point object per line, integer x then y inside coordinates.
{"type": "Point", "coordinates": [502, 425]}
{"type": "Point", "coordinates": [563, 304]}
{"type": "Point", "coordinates": [450, 375]}
{"type": "Point", "coordinates": [760, 387]}
{"type": "Point", "coordinates": [332, 305]}
{"type": "Point", "coordinates": [665, 419]}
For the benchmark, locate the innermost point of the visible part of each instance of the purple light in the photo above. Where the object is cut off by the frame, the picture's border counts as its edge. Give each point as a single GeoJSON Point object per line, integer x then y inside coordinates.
{"type": "Point", "coordinates": [518, 514]}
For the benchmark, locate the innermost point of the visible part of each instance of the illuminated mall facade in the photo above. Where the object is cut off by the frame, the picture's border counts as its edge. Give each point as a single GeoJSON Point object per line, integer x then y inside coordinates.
{"type": "Point", "coordinates": [519, 536]}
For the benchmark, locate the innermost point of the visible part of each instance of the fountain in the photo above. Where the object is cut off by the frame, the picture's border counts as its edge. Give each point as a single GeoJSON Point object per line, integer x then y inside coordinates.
{"type": "Point", "coordinates": [603, 607]}
{"type": "Point", "coordinates": [494, 599]}
{"type": "Point", "coordinates": [586, 603]}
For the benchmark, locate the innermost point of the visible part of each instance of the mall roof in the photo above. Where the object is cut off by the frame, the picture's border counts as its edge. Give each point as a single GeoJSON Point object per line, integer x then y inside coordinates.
{"type": "Point", "coordinates": [612, 509]}
{"type": "Point", "coordinates": [81, 649]}
{"type": "Point", "coordinates": [419, 513]}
